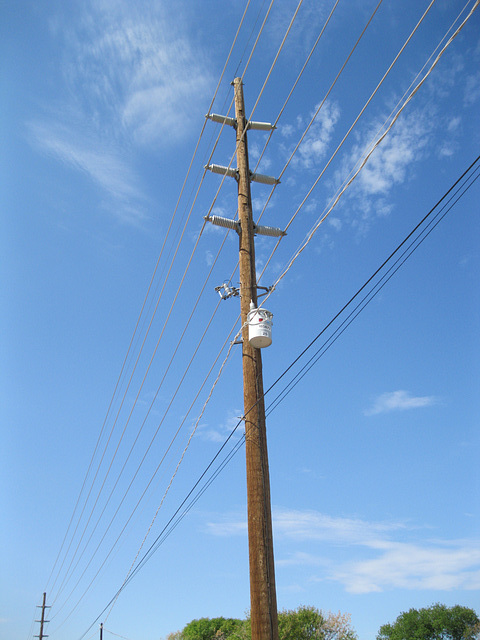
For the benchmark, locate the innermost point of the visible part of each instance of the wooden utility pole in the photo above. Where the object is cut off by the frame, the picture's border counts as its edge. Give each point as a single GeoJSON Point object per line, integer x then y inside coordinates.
{"type": "Point", "coordinates": [263, 599]}
{"type": "Point", "coordinates": [42, 620]}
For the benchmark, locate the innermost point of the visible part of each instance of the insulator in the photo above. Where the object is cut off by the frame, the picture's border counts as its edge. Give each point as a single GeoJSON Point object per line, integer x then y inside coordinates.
{"type": "Point", "coordinates": [259, 177]}
{"type": "Point", "coordinates": [269, 231]}
{"type": "Point", "coordinates": [223, 171]}
{"type": "Point", "coordinates": [260, 126]}
{"type": "Point", "coordinates": [222, 119]}
{"type": "Point", "coordinates": [228, 223]}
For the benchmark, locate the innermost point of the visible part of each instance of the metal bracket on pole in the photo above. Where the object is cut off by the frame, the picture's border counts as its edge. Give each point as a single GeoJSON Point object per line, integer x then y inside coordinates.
{"type": "Point", "coordinates": [228, 291]}
{"type": "Point", "coordinates": [266, 289]}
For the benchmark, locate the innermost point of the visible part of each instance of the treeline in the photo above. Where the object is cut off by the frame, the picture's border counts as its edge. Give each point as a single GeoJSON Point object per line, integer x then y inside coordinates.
{"type": "Point", "coordinates": [437, 622]}
{"type": "Point", "coordinates": [304, 623]}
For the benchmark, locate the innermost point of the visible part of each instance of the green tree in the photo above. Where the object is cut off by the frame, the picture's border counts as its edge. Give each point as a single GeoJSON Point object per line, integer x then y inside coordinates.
{"type": "Point", "coordinates": [210, 629]}
{"type": "Point", "coordinates": [437, 622]}
{"type": "Point", "coordinates": [305, 623]}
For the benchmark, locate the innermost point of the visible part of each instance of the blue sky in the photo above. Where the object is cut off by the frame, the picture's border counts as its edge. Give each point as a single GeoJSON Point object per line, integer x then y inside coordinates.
{"type": "Point", "coordinates": [374, 454]}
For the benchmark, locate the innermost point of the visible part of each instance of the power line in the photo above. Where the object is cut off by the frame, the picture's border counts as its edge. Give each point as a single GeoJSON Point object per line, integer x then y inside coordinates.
{"type": "Point", "coordinates": [140, 315]}
{"type": "Point", "coordinates": [317, 111]}
{"type": "Point", "coordinates": [372, 293]}
{"type": "Point", "coordinates": [257, 101]}
{"type": "Point", "coordinates": [179, 514]}
{"type": "Point", "coordinates": [354, 123]}
{"type": "Point", "coordinates": [103, 484]}
{"type": "Point", "coordinates": [373, 146]}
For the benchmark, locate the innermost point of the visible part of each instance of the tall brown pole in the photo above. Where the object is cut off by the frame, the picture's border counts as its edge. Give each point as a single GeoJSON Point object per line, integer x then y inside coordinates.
{"type": "Point", "coordinates": [263, 599]}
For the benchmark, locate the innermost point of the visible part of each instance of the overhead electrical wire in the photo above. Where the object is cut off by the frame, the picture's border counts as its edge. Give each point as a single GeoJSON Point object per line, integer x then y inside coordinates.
{"type": "Point", "coordinates": [249, 38]}
{"type": "Point", "coordinates": [416, 242]}
{"type": "Point", "coordinates": [143, 305]}
{"type": "Point", "coordinates": [260, 31]}
{"type": "Point", "coordinates": [366, 157]}
{"type": "Point", "coordinates": [257, 40]}
{"type": "Point", "coordinates": [153, 476]}
{"type": "Point", "coordinates": [294, 87]}
{"type": "Point", "coordinates": [312, 120]}
{"type": "Point", "coordinates": [231, 103]}
{"type": "Point", "coordinates": [197, 422]}
{"type": "Point", "coordinates": [351, 127]}
{"type": "Point", "coordinates": [270, 70]}
{"type": "Point", "coordinates": [147, 295]}
{"type": "Point", "coordinates": [281, 46]}
{"type": "Point", "coordinates": [197, 145]}
{"type": "Point", "coordinates": [277, 56]}
{"type": "Point", "coordinates": [413, 246]}
{"type": "Point", "coordinates": [147, 450]}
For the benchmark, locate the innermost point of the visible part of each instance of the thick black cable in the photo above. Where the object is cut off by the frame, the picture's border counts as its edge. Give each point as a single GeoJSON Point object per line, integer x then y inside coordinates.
{"type": "Point", "coordinates": [326, 345]}
{"type": "Point", "coordinates": [369, 296]}
{"type": "Point", "coordinates": [372, 276]}
{"type": "Point", "coordinates": [142, 561]}
{"type": "Point", "coordinates": [319, 353]}
{"type": "Point", "coordinates": [166, 531]}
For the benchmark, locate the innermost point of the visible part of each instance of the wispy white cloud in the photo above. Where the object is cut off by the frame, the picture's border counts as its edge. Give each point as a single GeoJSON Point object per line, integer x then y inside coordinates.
{"type": "Point", "coordinates": [300, 558]}
{"type": "Point", "coordinates": [390, 165]}
{"type": "Point", "coordinates": [315, 145]}
{"type": "Point", "coordinates": [311, 525]}
{"type": "Point", "coordinates": [128, 74]}
{"type": "Point", "coordinates": [391, 563]}
{"type": "Point", "coordinates": [105, 167]}
{"type": "Point", "coordinates": [430, 566]}
{"type": "Point", "coordinates": [219, 432]}
{"type": "Point", "coordinates": [399, 401]}
{"type": "Point", "coordinates": [426, 127]}
{"type": "Point", "coordinates": [138, 70]}
{"type": "Point", "coordinates": [472, 89]}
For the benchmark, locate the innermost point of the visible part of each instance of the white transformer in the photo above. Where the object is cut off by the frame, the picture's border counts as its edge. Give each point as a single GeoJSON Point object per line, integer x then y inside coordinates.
{"type": "Point", "coordinates": [259, 327]}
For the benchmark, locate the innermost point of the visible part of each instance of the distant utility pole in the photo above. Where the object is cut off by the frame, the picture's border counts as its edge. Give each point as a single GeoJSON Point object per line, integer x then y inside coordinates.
{"type": "Point", "coordinates": [101, 631]}
{"type": "Point", "coordinates": [42, 620]}
{"type": "Point", "coordinates": [263, 599]}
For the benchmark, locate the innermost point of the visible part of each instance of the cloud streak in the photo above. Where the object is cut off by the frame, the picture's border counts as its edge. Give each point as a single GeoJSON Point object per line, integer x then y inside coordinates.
{"type": "Point", "coordinates": [315, 145]}
{"type": "Point", "coordinates": [104, 167]}
{"type": "Point", "coordinates": [434, 566]}
{"type": "Point", "coordinates": [391, 563]}
{"type": "Point", "coordinates": [128, 75]}
{"type": "Point", "coordinates": [138, 69]}
{"type": "Point", "coordinates": [399, 401]}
